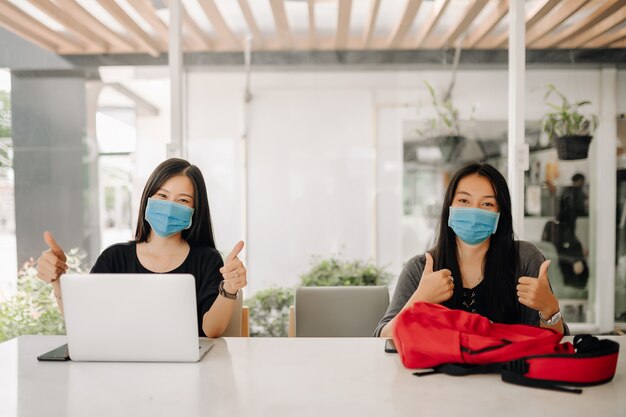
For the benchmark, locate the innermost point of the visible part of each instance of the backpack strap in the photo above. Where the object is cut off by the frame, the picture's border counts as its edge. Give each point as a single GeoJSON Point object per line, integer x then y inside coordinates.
{"type": "Point", "coordinates": [593, 363]}
{"type": "Point", "coordinates": [462, 369]}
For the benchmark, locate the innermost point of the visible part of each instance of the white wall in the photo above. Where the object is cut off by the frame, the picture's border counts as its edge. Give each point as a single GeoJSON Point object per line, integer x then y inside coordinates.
{"type": "Point", "coordinates": [315, 138]}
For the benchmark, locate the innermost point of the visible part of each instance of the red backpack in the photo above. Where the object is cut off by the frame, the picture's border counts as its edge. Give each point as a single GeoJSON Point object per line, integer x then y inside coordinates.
{"type": "Point", "coordinates": [456, 342]}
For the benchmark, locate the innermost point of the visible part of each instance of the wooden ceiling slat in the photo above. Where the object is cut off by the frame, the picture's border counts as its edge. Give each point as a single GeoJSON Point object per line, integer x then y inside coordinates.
{"type": "Point", "coordinates": [439, 9]}
{"type": "Point", "coordinates": [312, 35]}
{"type": "Point", "coordinates": [120, 15]}
{"type": "Point", "coordinates": [282, 24]}
{"type": "Point", "coordinates": [549, 23]}
{"type": "Point", "coordinates": [199, 39]}
{"type": "Point", "coordinates": [225, 34]}
{"type": "Point", "coordinates": [14, 14]}
{"type": "Point", "coordinates": [410, 11]}
{"type": "Point", "coordinates": [596, 30]}
{"type": "Point", "coordinates": [19, 30]}
{"type": "Point", "coordinates": [605, 40]}
{"type": "Point", "coordinates": [146, 9]}
{"type": "Point", "coordinates": [488, 24]}
{"type": "Point", "coordinates": [368, 32]}
{"type": "Point", "coordinates": [257, 37]}
{"type": "Point", "coordinates": [540, 11]}
{"type": "Point", "coordinates": [618, 44]}
{"type": "Point", "coordinates": [195, 32]}
{"type": "Point", "coordinates": [469, 14]}
{"type": "Point", "coordinates": [601, 13]}
{"type": "Point", "coordinates": [92, 41]}
{"type": "Point", "coordinates": [536, 14]}
{"type": "Point", "coordinates": [343, 23]}
{"type": "Point", "coordinates": [113, 38]}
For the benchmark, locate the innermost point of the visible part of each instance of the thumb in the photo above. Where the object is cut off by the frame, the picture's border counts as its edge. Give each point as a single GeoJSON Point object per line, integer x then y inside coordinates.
{"type": "Point", "coordinates": [54, 246]}
{"type": "Point", "coordinates": [233, 254]}
{"type": "Point", "coordinates": [428, 268]}
{"type": "Point", "coordinates": [543, 270]}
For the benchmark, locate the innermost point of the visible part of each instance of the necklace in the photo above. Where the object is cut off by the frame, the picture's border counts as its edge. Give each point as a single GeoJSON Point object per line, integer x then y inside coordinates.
{"type": "Point", "coordinates": [474, 282]}
{"type": "Point", "coordinates": [167, 267]}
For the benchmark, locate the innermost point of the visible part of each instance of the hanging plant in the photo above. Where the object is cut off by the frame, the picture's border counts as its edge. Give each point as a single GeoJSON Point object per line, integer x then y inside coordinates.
{"type": "Point", "coordinates": [570, 130]}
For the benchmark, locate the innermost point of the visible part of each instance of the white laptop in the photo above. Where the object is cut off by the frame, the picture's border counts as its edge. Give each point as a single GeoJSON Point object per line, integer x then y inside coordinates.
{"type": "Point", "coordinates": [132, 318]}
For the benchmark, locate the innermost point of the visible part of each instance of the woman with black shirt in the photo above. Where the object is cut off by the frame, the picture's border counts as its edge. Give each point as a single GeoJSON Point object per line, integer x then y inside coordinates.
{"type": "Point", "coordinates": [174, 235]}
{"type": "Point", "coordinates": [476, 264]}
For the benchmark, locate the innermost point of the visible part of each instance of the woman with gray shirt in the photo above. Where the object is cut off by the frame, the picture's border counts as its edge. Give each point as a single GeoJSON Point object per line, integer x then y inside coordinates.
{"type": "Point", "coordinates": [476, 264]}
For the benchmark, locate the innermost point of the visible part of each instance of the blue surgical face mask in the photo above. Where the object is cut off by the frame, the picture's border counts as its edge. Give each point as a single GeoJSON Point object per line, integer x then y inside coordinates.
{"type": "Point", "coordinates": [167, 218]}
{"type": "Point", "coordinates": [473, 225]}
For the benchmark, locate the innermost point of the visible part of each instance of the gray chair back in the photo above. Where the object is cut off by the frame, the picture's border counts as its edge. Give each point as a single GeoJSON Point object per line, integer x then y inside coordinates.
{"type": "Point", "coordinates": [339, 311]}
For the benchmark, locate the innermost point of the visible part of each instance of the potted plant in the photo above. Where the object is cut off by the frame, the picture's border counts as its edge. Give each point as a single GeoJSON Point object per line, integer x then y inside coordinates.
{"type": "Point", "coordinates": [269, 312]}
{"type": "Point", "coordinates": [270, 308]}
{"type": "Point", "coordinates": [570, 130]}
{"type": "Point", "coordinates": [337, 272]}
{"type": "Point", "coordinates": [444, 129]}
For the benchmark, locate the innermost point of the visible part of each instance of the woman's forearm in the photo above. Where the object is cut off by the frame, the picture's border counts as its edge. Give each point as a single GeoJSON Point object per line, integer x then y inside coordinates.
{"type": "Point", "coordinates": [387, 330]}
{"type": "Point", "coordinates": [56, 288]}
{"type": "Point", "coordinates": [216, 320]}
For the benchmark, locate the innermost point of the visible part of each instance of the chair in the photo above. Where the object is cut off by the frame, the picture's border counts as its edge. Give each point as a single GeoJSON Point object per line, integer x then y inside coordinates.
{"type": "Point", "coordinates": [239, 322]}
{"type": "Point", "coordinates": [337, 311]}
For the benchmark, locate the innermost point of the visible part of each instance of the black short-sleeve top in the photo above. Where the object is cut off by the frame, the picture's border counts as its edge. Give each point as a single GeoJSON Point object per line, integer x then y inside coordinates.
{"type": "Point", "coordinates": [202, 262]}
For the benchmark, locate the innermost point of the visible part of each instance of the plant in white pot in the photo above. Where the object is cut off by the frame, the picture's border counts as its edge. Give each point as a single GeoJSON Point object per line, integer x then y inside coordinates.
{"type": "Point", "coordinates": [570, 130]}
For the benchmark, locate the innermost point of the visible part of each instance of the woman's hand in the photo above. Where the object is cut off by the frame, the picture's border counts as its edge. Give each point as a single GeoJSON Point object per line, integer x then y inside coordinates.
{"type": "Point", "coordinates": [51, 264]}
{"type": "Point", "coordinates": [233, 271]}
{"type": "Point", "coordinates": [536, 293]}
{"type": "Point", "coordinates": [435, 286]}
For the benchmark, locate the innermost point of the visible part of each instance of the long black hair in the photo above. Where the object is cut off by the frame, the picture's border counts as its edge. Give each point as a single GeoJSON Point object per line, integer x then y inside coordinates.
{"type": "Point", "coordinates": [201, 231]}
{"type": "Point", "coordinates": [502, 256]}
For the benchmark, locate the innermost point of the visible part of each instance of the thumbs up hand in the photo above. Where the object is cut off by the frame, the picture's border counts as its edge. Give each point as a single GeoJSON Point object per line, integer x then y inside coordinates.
{"type": "Point", "coordinates": [434, 286]}
{"type": "Point", "coordinates": [233, 271]}
{"type": "Point", "coordinates": [51, 264]}
{"type": "Point", "coordinates": [536, 293]}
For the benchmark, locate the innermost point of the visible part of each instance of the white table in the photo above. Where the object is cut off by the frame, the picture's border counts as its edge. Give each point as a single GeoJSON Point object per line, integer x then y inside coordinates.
{"type": "Point", "coordinates": [276, 377]}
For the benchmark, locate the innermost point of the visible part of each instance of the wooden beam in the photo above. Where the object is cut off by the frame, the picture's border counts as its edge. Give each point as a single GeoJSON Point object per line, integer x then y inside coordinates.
{"type": "Point", "coordinates": [311, 9]}
{"type": "Point", "coordinates": [469, 14]}
{"type": "Point", "coordinates": [24, 32]}
{"type": "Point", "coordinates": [549, 23]}
{"type": "Point", "coordinates": [126, 21]}
{"type": "Point", "coordinates": [410, 11]}
{"type": "Point", "coordinates": [439, 9]}
{"type": "Point", "coordinates": [72, 25]}
{"type": "Point", "coordinates": [619, 44]}
{"type": "Point", "coordinates": [501, 9]}
{"type": "Point", "coordinates": [605, 40]}
{"type": "Point", "coordinates": [371, 23]}
{"type": "Point", "coordinates": [282, 24]}
{"type": "Point", "coordinates": [146, 9]}
{"type": "Point", "coordinates": [601, 13]}
{"type": "Point", "coordinates": [540, 11]}
{"type": "Point", "coordinates": [537, 13]}
{"type": "Point", "coordinates": [343, 23]}
{"type": "Point", "coordinates": [73, 8]}
{"type": "Point", "coordinates": [198, 37]}
{"type": "Point", "coordinates": [597, 30]}
{"type": "Point", "coordinates": [196, 33]}
{"type": "Point", "coordinates": [257, 37]}
{"type": "Point", "coordinates": [12, 13]}
{"type": "Point", "coordinates": [219, 24]}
